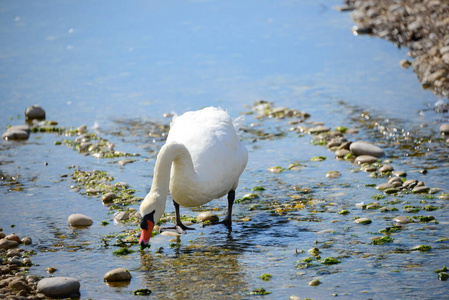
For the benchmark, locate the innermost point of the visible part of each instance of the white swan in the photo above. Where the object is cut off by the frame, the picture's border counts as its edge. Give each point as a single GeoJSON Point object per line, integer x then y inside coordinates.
{"type": "Point", "coordinates": [201, 160]}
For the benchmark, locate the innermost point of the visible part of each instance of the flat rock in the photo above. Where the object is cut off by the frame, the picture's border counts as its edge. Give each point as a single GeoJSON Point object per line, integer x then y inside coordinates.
{"type": "Point", "coordinates": [444, 128]}
{"type": "Point", "coordinates": [58, 287]}
{"type": "Point", "coordinates": [79, 220]}
{"type": "Point", "coordinates": [118, 274]}
{"type": "Point", "coordinates": [365, 159]}
{"type": "Point", "coordinates": [35, 112]}
{"type": "Point", "coordinates": [7, 244]}
{"type": "Point", "coordinates": [365, 148]}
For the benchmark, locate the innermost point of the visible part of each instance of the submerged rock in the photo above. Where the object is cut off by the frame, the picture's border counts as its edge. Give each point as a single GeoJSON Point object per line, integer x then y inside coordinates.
{"type": "Point", "coordinates": [365, 148]}
{"type": "Point", "coordinates": [79, 220]}
{"type": "Point", "coordinates": [59, 287]}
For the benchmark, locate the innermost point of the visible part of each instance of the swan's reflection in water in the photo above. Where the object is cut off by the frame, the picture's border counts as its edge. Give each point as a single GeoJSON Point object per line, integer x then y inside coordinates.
{"type": "Point", "coordinates": [196, 271]}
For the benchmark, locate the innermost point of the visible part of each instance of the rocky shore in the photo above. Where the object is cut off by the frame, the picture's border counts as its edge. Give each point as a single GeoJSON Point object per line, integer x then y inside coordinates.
{"type": "Point", "coordinates": [420, 25]}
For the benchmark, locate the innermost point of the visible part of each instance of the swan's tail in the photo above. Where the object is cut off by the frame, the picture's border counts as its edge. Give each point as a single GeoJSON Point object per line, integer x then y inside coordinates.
{"type": "Point", "coordinates": [238, 122]}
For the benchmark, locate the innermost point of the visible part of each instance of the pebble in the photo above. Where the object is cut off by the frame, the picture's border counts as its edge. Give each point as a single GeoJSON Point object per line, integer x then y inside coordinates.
{"type": "Point", "coordinates": [19, 285]}
{"type": "Point", "coordinates": [402, 220]}
{"type": "Point", "coordinates": [391, 191]}
{"type": "Point", "coordinates": [13, 237]}
{"type": "Point", "coordinates": [79, 220]}
{"type": "Point", "coordinates": [444, 196]}
{"type": "Point", "coordinates": [342, 153]}
{"type": "Point", "coordinates": [399, 173]}
{"type": "Point", "coordinates": [16, 133]}
{"type": "Point", "coordinates": [35, 112]}
{"type": "Point", "coordinates": [365, 159]}
{"type": "Point", "coordinates": [333, 174]}
{"type": "Point", "coordinates": [59, 287]}
{"type": "Point", "coordinates": [365, 148]}
{"type": "Point", "coordinates": [444, 129]}
{"type": "Point", "coordinates": [207, 216]}
{"type": "Point", "coordinates": [121, 216]}
{"type": "Point", "coordinates": [362, 221]}
{"type": "Point", "coordinates": [410, 183]}
{"type": "Point", "coordinates": [118, 274]}
{"type": "Point", "coordinates": [27, 240]}
{"type": "Point", "coordinates": [7, 244]}
{"type": "Point", "coordinates": [384, 186]}
{"type": "Point", "coordinates": [169, 233]}
{"type": "Point", "coordinates": [386, 168]}
{"type": "Point", "coordinates": [315, 282]}
{"type": "Point", "coordinates": [319, 129]}
{"type": "Point", "coordinates": [420, 189]}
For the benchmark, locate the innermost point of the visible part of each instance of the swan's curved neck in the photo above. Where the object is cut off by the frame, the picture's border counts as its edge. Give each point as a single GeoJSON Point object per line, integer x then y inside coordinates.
{"type": "Point", "coordinates": [171, 154]}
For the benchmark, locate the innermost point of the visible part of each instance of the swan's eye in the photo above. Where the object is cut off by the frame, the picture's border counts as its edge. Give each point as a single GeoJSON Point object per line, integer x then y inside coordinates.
{"type": "Point", "coordinates": [145, 219]}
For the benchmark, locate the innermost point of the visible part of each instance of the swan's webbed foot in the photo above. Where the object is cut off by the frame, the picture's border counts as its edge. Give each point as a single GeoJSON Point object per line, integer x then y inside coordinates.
{"type": "Point", "coordinates": [179, 228]}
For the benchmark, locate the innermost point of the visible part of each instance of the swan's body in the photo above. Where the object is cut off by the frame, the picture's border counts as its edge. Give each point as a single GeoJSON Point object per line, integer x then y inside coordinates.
{"type": "Point", "coordinates": [201, 160]}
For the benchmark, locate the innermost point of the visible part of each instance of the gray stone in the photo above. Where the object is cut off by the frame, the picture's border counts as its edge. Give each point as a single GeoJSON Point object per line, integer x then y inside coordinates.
{"type": "Point", "coordinates": [365, 159]}
{"type": "Point", "coordinates": [402, 220]}
{"type": "Point", "coordinates": [444, 128]}
{"type": "Point", "coordinates": [7, 244]}
{"type": "Point", "coordinates": [35, 112]}
{"type": "Point", "coordinates": [79, 220]}
{"type": "Point", "coordinates": [59, 287]}
{"type": "Point", "coordinates": [384, 186]}
{"type": "Point", "coordinates": [119, 274]}
{"type": "Point", "coordinates": [108, 197]}
{"type": "Point", "coordinates": [365, 148]}
{"type": "Point", "coordinates": [386, 168]}
{"type": "Point", "coordinates": [342, 152]}
{"type": "Point", "coordinates": [207, 216]}
{"type": "Point", "coordinates": [16, 133]}
{"type": "Point", "coordinates": [420, 189]}
{"type": "Point", "coordinates": [121, 216]}
{"type": "Point", "coordinates": [362, 221]}
{"type": "Point", "coordinates": [319, 129]}
{"type": "Point", "coordinates": [408, 184]}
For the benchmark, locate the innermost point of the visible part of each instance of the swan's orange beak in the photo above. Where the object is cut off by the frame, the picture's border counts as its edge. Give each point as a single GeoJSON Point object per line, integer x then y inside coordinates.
{"type": "Point", "coordinates": [145, 235]}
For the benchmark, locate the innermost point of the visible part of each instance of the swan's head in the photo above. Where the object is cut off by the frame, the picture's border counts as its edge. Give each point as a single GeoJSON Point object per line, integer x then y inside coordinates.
{"type": "Point", "coordinates": [151, 210]}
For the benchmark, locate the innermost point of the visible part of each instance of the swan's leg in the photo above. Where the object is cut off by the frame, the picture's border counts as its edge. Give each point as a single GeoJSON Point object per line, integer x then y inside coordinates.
{"type": "Point", "coordinates": [179, 224]}
{"type": "Point", "coordinates": [228, 219]}
{"type": "Point", "coordinates": [181, 228]}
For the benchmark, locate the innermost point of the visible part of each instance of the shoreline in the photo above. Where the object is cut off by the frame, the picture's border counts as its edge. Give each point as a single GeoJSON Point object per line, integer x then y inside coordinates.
{"type": "Point", "coordinates": [421, 26]}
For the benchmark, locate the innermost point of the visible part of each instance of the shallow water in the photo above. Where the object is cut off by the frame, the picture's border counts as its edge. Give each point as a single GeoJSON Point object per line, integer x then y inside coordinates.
{"type": "Point", "coordinates": [121, 66]}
